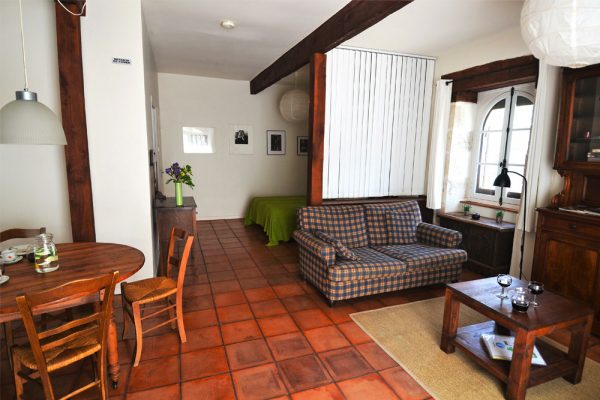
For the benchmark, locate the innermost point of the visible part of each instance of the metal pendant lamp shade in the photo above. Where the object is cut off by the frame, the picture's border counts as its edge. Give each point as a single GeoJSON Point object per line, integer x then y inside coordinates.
{"type": "Point", "coordinates": [563, 33]}
{"type": "Point", "coordinates": [502, 180]}
{"type": "Point", "coordinates": [26, 121]}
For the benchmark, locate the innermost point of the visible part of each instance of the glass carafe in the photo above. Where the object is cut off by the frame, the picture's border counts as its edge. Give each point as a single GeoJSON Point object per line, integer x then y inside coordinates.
{"type": "Point", "coordinates": [46, 255]}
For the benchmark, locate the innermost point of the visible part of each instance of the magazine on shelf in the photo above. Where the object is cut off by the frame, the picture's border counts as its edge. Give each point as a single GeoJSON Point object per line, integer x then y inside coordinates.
{"type": "Point", "coordinates": [500, 347]}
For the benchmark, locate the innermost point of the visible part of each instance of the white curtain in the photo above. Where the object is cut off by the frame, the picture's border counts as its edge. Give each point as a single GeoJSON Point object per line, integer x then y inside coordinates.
{"type": "Point", "coordinates": [376, 123]}
{"type": "Point", "coordinates": [543, 180]}
{"type": "Point", "coordinates": [437, 146]}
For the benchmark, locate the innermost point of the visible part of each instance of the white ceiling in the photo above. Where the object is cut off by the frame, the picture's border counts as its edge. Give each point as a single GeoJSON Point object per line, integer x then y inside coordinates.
{"type": "Point", "coordinates": [187, 39]}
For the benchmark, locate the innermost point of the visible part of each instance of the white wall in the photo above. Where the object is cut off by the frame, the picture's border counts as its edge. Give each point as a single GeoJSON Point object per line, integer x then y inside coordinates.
{"type": "Point", "coordinates": [33, 181]}
{"type": "Point", "coordinates": [117, 129]}
{"type": "Point", "coordinates": [225, 183]}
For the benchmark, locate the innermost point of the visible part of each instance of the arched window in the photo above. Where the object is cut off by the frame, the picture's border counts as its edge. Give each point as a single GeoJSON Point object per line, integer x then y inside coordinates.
{"type": "Point", "coordinates": [504, 134]}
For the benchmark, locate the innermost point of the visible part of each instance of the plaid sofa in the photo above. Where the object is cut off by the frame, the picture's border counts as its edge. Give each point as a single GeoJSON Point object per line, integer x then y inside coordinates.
{"type": "Point", "coordinates": [420, 254]}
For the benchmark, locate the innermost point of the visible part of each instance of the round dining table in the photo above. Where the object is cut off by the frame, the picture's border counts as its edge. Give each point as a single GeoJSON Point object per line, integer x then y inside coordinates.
{"type": "Point", "coordinates": [76, 261]}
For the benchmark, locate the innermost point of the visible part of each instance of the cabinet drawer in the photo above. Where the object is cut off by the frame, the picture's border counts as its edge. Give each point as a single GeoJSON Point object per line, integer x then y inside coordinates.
{"type": "Point", "coordinates": [592, 231]}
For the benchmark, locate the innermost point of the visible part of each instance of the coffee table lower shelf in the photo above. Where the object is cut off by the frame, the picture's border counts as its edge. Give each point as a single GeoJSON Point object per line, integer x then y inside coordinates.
{"type": "Point", "coordinates": [468, 339]}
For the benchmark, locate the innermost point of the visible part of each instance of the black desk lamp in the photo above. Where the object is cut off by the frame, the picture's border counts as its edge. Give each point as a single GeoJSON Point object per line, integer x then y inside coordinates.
{"type": "Point", "coordinates": [502, 181]}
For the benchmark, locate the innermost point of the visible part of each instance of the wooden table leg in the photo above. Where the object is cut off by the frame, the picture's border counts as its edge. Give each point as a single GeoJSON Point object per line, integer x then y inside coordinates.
{"type": "Point", "coordinates": [578, 348]}
{"type": "Point", "coordinates": [450, 326]}
{"type": "Point", "coordinates": [113, 353]}
{"type": "Point", "coordinates": [520, 366]}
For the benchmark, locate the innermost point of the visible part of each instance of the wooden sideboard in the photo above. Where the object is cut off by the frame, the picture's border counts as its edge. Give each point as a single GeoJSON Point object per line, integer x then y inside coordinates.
{"type": "Point", "coordinates": [168, 215]}
{"type": "Point", "coordinates": [487, 243]}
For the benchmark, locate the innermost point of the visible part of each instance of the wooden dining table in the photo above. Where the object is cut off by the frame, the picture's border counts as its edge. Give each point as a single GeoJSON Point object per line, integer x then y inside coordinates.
{"type": "Point", "coordinates": [77, 261]}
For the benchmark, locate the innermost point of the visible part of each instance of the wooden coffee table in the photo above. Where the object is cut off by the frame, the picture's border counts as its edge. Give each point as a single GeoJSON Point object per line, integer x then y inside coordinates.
{"type": "Point", "coordinates": [555, 312]}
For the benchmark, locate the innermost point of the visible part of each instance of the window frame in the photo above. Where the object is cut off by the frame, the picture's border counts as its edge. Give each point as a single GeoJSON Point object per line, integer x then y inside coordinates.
{"type": "Point", "coordinates": [484, 107]}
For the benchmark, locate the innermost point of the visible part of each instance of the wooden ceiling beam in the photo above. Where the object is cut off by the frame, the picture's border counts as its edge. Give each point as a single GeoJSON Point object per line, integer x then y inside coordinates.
{"type": "Point", "coordinates": [351, 20]}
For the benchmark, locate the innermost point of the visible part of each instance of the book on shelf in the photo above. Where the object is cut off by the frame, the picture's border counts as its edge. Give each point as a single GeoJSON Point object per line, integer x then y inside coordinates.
{"type": "Point", "coordinates": [500, 347]}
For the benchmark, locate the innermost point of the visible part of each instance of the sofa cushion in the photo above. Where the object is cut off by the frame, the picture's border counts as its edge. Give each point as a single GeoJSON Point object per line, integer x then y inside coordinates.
{"type": "Point", "coordinates": [372, 264]}
{"type": "Point", "coordinates": [402, 227]}
{"type": "Point", "coordinates": [421, 255]}
{"type": "Point", "coordinates": [376, 219]}
{"type": "Point", "coordinates": [340, 250]}
{"type": "Point", "coordinates": [346, 223]}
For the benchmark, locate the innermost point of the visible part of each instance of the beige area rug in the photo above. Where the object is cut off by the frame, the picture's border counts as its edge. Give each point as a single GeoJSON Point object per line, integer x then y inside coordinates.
{"type": "Point", "coordinates": [410, 334]}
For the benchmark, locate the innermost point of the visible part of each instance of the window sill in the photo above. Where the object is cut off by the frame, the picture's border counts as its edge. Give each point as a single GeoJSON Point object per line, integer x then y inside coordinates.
{"type": "Point", "coordinates": [495, 206]}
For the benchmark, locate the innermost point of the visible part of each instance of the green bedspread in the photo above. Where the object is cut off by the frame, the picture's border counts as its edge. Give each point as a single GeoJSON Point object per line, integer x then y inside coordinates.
{"type": "Point", "coordinates": [276, 214]}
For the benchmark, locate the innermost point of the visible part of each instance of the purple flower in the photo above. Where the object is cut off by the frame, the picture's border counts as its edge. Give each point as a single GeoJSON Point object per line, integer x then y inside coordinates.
{"type": "Point", "coordinates": [168, 171]}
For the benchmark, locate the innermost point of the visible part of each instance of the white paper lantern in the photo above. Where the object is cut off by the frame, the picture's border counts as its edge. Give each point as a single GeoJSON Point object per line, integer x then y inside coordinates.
{"type": "Point", "coordinates": [565, 33]}
{"type": "Point", "coordinates": [294, 105]}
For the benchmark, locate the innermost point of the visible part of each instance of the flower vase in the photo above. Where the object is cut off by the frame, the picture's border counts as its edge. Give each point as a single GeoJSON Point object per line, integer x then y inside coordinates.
{"type": "Point", "coordinates": [178, 194]}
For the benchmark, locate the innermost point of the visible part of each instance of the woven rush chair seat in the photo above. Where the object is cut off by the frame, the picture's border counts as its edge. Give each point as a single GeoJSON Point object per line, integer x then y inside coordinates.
{"type": "Point", "coordinates": [148, 290]}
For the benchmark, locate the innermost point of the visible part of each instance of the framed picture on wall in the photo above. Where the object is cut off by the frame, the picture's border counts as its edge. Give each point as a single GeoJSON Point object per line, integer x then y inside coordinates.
{"type": "Point", "coordinates": [198, 139]}
{"type": "Point", "coordinates": [276, 142]}
{"type": "Point", "coordinates": [241, 139]}
{"type": "Point", "coordinates": [302, 145]}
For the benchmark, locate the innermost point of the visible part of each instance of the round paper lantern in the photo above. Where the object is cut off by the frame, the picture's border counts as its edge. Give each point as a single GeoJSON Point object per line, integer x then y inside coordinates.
{"type": "Point", "coordinates": [565, 33]}
{"type": "Point", "coordinates": [294, 105]}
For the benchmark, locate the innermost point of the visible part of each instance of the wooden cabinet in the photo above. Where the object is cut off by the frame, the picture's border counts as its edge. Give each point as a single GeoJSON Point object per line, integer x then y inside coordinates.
{"type": "Point", "coordinates": [168, 215]}
{"type": "Point", "coordinates": [567, 257]}
{"type": "Point", "coordinates": [488, 244]}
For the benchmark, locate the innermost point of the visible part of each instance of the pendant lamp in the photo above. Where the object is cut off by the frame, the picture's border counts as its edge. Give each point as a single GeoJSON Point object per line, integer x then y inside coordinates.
{"type": "Point", "coordinates": [563, 33]}
{"type": "Point", "coordinates": [25, 120]}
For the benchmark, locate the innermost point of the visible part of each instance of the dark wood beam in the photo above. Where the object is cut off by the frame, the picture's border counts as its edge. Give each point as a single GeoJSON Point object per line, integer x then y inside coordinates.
{"type": "Point", "coordinates": [514, 71]}
{"type": "Point", "coordinates": [316, 129]}
{"type": "Point", "coordinates": [351, 20]}
{"type": "Point", "coordinates": [72, 103]}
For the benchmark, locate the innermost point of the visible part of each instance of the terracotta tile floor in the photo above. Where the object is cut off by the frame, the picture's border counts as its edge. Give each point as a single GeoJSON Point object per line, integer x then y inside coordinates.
{"type": "Point", "coordinates": [255, 330]}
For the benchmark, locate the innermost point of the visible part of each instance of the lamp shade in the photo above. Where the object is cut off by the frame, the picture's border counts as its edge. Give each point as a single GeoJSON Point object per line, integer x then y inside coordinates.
{"type": "Point", "coordinates": [563, 33]}
{"type": "Point", "coordinates": [502, 180]}
{"type": "Point", "coordinates": [293, 105]}
{"type": "Point", "coordinates": [26, 121]}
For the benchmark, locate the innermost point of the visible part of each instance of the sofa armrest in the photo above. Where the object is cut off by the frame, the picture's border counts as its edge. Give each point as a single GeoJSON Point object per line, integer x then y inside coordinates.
{"type": "Point", "coordinates": [325, 251]}
{"type": "Point", "coordinates": [437, 236]}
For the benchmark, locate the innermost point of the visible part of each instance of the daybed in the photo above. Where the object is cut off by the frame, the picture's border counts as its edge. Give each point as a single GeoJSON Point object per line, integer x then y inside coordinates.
{"type": "Point", "coordinates": [359, 250]}
{"type": "Point", "coordinates": [277, 216]}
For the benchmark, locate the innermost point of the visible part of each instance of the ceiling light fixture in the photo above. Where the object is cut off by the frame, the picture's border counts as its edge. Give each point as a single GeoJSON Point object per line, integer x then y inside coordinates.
{"type": "Point", "coordinates": [25, 120]}
{"type": "Point", "coordinates": [227, 24]}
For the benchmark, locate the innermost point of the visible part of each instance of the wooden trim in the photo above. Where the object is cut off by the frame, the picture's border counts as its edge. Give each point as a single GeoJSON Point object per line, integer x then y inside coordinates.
{"type": "Point", "coordinates": [316, 134]}
{"type": "Point", "coordinates": [498, 74]}
{"type": "Point", "coordinates": [351, 20]}
{"type": "Point", "coordinates": [72, 102]}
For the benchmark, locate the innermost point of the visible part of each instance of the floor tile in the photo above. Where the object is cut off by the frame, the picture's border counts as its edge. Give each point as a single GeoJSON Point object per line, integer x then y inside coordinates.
{"type": "Point", "coordinates": [229, 298]}
{"type": "Point", "coordinates": [268, 308]}
{"type": "Point", "coordinates": [298, 303]}
{"type": "Point", "coordinates": [170, 392]}
{"type": "Point", "coordinates": [288, 290]}
{"type": "Point", "coordinates": [201, 363]}
{"type": "Point", "coordinates": [214, 387]}
{"type": "Point", "coordinates": [153, 373]}
{"type": "Point", "coordinates": [260, 294]}
{"type": "Point", "coordinates": [238, 312]}
{"type": "Point", "coordinates": [240, 331]}
{"type": "Point", "coordinates": [370, 387]}
{"type": "Point", "coordinates": [159, 346]}
{"type": "Point", "coordinates": [403, 384]}
{"type": "Point", "coordinates": [197, 303]}
{"type": "Point", "coordinates": [310, 319]}
{"type": "Point", "coordinates": [220, 276]}
{"type": "Point", "coordinates": [225, 286]}
{"type": "Point", "coordinates": [303, 373]}
{"type": "Point", "coordinates": [375, 356]}
{"type": "Point", "coordinates": [339, 313]}
{"type": "Point", "coordinates": [345, 363]}
{"type": "Point", "coordinates": [327, 392]}
{"type": "Point", "coordinates": [248, 354]}
{"type": "Point", "coordinates": [256, 383]}
{"type": "Point", "coordinates": [199, 319]}
{"type": "Point", "coordinates": [201, 339]}
{"type": "Point", "coordinates": [326, 338]}
{"type": "Point", "coordinates": [289, 345]}
{"type": "Point", "coordinates": [253, 283]}
{"type": "Point", "coordinates": [277, 325]}
{"type": "Point", "coordinates": [354, 333]}
{"type": "Point", "coordinates": [248, 273]}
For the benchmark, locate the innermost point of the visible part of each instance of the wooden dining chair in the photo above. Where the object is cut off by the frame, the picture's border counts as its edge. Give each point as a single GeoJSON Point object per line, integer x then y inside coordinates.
{"type": "Point", "coordinates": [20, 233]}
{"type": "Point", "coordinates": [142, 296]}
{"type": "Point", "coordinates": [58, 347]}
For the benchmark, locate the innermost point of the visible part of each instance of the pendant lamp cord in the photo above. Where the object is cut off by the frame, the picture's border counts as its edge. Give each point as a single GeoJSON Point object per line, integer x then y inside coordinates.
{"type": "Point", "coordinates": [23, 46]}
{"type": "Point", "coordinates": [71, 12]}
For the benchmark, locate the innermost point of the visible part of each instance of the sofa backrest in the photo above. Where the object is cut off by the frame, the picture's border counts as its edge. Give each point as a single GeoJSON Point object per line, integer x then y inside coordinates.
{"type": "Point", "coordinates": [376, 220]}
{"type": "Point", "coordinates": [346, 223]}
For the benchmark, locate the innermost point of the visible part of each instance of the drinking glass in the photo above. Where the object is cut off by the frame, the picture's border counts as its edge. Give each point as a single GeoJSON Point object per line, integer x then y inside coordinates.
{"type": "Point", "coordinates": [520, 299]}
{"type": "Point", "coordinates": [505, 281]}
{"type": "Point", "coordinates": [535, 288]}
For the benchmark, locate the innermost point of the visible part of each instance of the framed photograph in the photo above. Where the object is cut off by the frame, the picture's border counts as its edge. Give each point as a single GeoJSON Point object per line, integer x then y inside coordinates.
{"type": "Point", "coordinates": [302, 145]}
{"type": "Point", "coordinates": [276, 142]}
{"type": "Point", "coordinates": [200, 140]}
{"type": "Point", "coordinates": [241, 139]}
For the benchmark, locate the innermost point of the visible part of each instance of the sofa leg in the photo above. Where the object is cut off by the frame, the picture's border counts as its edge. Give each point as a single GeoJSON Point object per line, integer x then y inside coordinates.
{"type": "Point", "coordinates": [331, 303]}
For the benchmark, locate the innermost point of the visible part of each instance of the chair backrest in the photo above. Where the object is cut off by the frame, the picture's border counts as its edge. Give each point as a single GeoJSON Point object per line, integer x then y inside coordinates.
{"type": "Point", "coordinates": [181, 263]}
{"type": "Point", "coordinates": [61, 297]}
{"type": "Point", "coordinates": [18, 233]}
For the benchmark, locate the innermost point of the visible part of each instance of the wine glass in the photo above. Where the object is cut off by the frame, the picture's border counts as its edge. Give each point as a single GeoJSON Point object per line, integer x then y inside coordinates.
{"type": "Point", "coordinates": [520, 299]}
{"type": "Point", "coordinates": [505, 281]}
{"type": "Point", "coordinates": [535, 288]}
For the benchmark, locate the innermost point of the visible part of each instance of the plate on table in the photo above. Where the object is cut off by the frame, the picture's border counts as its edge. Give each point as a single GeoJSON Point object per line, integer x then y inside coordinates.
{"type": "Point", "coordinates": [16, 260]}
{"type": "Point", "coordinates": [23, 249]}
{"type": "Point", "coordinates": [4, 279]}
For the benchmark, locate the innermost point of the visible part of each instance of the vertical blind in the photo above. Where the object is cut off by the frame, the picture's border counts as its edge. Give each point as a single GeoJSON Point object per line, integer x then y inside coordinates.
{"type": "Point", "coordinates": [376, 123]}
